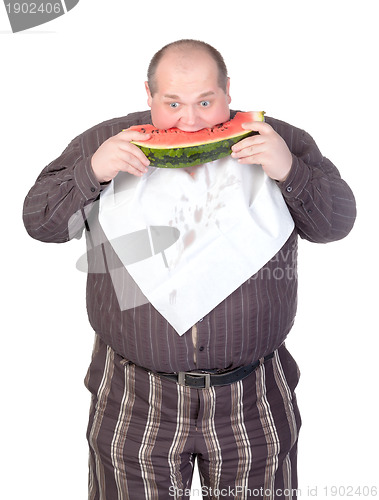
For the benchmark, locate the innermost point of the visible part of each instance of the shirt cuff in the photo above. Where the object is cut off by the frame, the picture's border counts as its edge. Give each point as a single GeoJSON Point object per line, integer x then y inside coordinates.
{"type": "Point", "coordinates": [296, 181]}
{"type": "Point", "coordinates": [86, 180]}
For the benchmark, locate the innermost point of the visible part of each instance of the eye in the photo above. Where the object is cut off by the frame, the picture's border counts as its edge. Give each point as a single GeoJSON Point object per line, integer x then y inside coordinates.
{"type": "Point", "coordinates": [174, 105]}
{"type": "Point", "coordinates": [204, 104]}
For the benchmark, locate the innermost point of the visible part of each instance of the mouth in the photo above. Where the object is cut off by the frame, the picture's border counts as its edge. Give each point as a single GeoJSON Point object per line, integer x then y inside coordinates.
{"type": "Point", "coordinates": [190, 129]}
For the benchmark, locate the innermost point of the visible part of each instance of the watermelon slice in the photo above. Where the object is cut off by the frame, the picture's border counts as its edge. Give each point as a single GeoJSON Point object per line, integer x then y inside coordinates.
{"type": "Point", "coordinates": [174, 148]}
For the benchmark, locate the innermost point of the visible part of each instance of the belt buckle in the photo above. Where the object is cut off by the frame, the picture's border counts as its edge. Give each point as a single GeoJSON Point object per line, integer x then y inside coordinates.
{"type": "Point", "coordinates": [206, 376]}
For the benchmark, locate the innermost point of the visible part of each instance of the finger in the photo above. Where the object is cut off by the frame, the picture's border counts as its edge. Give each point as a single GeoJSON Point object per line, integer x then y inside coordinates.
{"type": "Point", "coordinates": [250, 160]}
{"type": "Point", "coordinates": [129, 160]}
{"type": "Point", "coordinates": [253, 159]}
{"type": "Point", "coordinates": [248, 142]}
{"type": "Point", "coordinates": [249, 152]}
{"type": "Point", "coordinates": [134, 171]}
{"type": "Point", "coordinates": [133, 150]}
{"type": "Point", "coordinates": [134, 135]}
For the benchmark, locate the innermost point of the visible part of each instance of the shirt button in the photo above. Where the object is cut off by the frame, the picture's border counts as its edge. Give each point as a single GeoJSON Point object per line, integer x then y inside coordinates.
{"type": "Point", "coordinates": [93, 189]}
{"type": "Point", "coordinates": [201, 348]}
{"type": "Point", "coordinates": [289, 189]}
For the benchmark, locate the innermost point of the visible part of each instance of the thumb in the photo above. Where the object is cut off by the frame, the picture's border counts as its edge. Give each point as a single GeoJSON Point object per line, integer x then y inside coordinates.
{"type": "Point", "coordinates": [260, 127]}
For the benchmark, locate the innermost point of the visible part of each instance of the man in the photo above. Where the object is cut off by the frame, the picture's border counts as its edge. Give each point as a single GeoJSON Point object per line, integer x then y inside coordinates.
{"type": "Point", "coordinates": [236, 411]}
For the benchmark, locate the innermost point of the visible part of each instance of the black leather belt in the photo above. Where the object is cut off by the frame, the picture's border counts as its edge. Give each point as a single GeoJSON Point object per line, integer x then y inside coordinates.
{"type": "Point", "coordinates": [204, 379]}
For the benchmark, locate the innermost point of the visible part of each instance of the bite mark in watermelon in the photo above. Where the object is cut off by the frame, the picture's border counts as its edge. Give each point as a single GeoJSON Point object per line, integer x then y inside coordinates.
{"type": "Point", "coordinates": [174, 148]}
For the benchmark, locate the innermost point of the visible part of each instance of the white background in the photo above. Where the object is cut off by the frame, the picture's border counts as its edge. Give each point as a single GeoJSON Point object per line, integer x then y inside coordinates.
{"type": "Point", "coordinates": [310, 63]}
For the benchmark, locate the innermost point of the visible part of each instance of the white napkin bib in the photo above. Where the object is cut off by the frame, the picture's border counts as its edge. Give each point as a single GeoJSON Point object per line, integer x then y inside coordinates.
{"type": "Point", "coordinates": [190, 237]}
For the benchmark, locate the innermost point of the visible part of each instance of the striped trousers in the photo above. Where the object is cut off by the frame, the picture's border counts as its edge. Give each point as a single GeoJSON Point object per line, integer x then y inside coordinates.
{"type": "Point", "coordinates": [145, 432]}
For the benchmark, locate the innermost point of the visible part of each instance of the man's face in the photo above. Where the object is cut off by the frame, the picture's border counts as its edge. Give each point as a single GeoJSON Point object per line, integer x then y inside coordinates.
{"type": "Point", "coordinates": [188, 95]}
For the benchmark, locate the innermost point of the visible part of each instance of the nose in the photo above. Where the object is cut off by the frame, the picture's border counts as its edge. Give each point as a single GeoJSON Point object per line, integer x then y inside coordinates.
{"type": "Point", "coordinates": [189, 117]}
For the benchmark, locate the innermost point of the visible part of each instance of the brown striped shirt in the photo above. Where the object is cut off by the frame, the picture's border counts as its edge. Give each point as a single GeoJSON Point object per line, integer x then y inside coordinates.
{"type": "Point", "coordinates": [253, 321]}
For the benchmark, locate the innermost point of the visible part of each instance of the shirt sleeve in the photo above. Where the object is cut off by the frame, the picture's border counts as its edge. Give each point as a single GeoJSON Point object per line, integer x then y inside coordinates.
{"type": "Point", "coordinates": [319, 200]}
{"type": "Point", "coordinates": [54, 205]}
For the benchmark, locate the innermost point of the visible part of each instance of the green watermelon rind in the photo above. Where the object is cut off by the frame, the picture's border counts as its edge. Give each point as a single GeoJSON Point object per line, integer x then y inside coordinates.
{"type": "Point", "coordinates": [191, 156]}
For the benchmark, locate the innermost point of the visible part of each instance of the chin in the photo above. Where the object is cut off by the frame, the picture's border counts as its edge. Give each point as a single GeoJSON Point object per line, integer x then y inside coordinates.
{"type": "Point", "coordinates": [191, 129]}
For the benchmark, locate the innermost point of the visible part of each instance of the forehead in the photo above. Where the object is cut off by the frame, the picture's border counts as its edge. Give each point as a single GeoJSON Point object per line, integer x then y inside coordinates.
{"type": "Point", "coordinates": [184, 70]}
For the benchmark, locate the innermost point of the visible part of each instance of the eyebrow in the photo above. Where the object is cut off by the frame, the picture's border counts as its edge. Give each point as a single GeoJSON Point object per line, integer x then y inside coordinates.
{"type": "Point", "coordinates": [174, 96]}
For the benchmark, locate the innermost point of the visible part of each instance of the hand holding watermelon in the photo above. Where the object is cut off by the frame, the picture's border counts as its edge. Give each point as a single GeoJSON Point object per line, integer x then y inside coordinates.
{"type": "Point", "coordinates": [117, 154]}
{"type": "Point", "coordinates": [267, 149]}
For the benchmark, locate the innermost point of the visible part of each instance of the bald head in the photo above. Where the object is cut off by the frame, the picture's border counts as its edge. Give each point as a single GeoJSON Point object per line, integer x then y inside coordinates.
{"type": "Point", "coordinates": [184, 53]}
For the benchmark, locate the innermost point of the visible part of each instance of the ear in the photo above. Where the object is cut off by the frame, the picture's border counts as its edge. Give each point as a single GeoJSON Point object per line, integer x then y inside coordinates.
{"type": "Point", "coordinates": [228, 91]}
{"type": "Point", "coordinates": [149, 96]}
